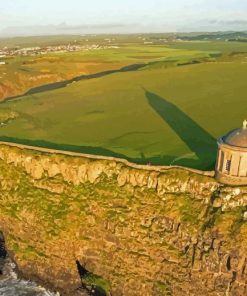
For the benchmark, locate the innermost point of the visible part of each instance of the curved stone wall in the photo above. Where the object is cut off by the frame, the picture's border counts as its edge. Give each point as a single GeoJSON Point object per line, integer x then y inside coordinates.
{"type": "Point", "coordinates": [231, 167]}
{"type": "Point", "coordinates": [101, 157]}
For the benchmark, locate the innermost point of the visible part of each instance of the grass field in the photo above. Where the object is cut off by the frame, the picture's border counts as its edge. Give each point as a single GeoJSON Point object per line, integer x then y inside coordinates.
{"type": "Point", "coordinates": [169, 112]}
{"type": "Point", "coordinates": [24, 72]}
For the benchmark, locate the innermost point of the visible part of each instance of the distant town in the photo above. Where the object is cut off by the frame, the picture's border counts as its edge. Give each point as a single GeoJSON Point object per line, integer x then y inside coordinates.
{"type": "Point", "coordinates": [33, 51]}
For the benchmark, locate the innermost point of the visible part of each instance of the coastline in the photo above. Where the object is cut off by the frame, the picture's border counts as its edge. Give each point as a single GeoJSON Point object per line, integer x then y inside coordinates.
{"type": "Point", "coordinates": [13, 278]}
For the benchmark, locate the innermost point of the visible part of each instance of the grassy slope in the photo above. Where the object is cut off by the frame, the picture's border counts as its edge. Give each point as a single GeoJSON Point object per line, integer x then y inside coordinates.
{"type": "Point", "coordinates": [114, 112]}
{"type": "Point", "coordinates": [22, 73]}
{"type": "Point", "coordinates": [220, 46]}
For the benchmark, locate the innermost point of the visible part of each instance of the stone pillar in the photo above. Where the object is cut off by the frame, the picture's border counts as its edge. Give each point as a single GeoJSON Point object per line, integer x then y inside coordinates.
{"type": "Point", "coordinates": [235, 164]}
{"type": "Point", "coordinates": [243, 166]}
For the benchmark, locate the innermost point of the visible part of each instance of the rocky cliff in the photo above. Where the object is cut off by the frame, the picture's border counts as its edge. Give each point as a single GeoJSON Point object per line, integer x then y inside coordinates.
{"type": "Point", "coordinates": [143, 232]}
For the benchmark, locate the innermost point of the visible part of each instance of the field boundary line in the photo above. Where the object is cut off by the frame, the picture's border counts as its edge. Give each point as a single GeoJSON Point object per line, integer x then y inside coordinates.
{"type": "Point", "coordinates": [109, 158]}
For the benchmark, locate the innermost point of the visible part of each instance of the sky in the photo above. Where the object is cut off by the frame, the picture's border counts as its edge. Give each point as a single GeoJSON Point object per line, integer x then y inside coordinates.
{"type": "Point", "coordinates": [46, 17]}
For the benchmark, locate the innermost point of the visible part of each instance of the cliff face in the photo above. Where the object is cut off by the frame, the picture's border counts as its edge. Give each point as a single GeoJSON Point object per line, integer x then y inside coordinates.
{"type": "Point", "coordinates": [19, 83]}
{"type": "Point", "coordinates": [146, 232]}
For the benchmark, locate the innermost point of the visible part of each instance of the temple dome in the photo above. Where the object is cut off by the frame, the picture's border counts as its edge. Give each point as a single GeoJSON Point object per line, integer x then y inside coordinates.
{"type": "Point", "coordinates": [231, 166]}
{"type": "Point", "coordinates": [237, 138]}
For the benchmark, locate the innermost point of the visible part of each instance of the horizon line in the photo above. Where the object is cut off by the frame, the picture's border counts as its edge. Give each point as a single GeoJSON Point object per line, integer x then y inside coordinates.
{"type": "Point", "coordinates": [123, 33]}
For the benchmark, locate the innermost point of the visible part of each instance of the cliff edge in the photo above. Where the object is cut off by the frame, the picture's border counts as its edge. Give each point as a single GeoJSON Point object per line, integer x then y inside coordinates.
{"type": "Point", "coordinates": [141, 231]}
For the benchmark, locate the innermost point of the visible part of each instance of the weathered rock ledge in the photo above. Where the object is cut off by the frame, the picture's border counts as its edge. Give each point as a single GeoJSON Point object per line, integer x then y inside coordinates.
{"type": "Point", "coordinates": [151, 231]}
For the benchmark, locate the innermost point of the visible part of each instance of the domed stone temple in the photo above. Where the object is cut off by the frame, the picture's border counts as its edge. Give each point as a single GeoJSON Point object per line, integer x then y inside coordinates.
{"type": "Point", "coordinates": [231, 166]}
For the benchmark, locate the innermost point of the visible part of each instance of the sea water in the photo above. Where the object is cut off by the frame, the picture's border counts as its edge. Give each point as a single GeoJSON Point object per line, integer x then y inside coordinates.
{"type": "Point", "coordinates": [10, 285]}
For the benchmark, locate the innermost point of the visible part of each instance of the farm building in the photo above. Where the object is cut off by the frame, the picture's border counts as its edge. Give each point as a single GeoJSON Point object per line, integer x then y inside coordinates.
{"type": "Point", "coordinates": [231, 167]}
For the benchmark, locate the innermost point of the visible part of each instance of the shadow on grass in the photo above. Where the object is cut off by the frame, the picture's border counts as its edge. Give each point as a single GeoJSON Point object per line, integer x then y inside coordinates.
{"type": "Point", "coordinates": [156, 160]}
{"type": "Point", "coordinates": [62, 84]}
{"type": "Point", "coordinates": [63, 147]}
{"type": "Point", "coordinates": [193, 135]}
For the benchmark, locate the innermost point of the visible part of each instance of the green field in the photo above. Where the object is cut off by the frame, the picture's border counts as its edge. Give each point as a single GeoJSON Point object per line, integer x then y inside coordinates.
{"type": "Point", "coordinates": [171, 111]}
{"type": "Point", "coordinates": [21, 73]}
